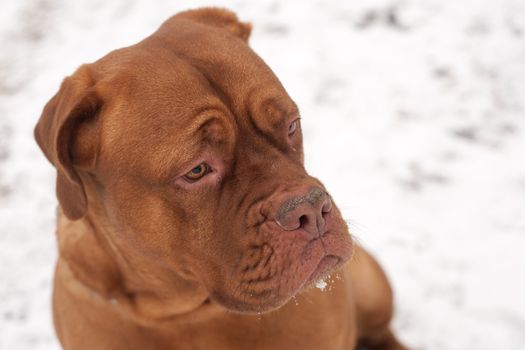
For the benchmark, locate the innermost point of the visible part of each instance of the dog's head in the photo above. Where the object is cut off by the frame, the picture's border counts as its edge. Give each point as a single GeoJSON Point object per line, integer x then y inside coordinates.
{"type": "Point", "coordinates": [187, 151]}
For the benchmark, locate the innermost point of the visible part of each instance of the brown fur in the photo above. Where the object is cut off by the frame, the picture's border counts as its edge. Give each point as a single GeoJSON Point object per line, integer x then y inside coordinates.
{"type": "Point", "coordinates": [152, 260]}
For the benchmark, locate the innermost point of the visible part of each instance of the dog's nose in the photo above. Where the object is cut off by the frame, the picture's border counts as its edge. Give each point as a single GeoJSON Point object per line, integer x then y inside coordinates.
{"type": "Point", "coordinates": [307, 212]}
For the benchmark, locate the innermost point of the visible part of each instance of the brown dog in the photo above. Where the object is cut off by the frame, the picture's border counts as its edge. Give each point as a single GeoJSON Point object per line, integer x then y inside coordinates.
{"type": "Point", "coordinates": [187, 219]}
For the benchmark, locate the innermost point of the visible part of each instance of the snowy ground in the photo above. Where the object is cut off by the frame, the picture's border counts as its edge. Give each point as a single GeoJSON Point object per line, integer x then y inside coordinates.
{"type": "Point", "coordinates": [413, 115]}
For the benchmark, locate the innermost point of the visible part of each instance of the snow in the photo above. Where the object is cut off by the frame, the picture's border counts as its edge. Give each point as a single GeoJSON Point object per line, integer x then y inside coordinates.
{"type": "Point", "coordinates": [321, 284]}
{"type": "Point", "coordinates": [413, 116]}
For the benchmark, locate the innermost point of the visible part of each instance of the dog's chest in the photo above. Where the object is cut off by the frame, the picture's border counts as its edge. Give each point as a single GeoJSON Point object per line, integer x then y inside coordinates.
{"type": "Point", "coordinates": [314, 320]}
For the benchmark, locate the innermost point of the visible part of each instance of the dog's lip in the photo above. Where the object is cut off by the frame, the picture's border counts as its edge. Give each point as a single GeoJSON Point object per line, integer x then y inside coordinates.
{"type": "Point", "coordinates": [331, 258]}
{"type": "Point", "coordinates": [315, 259]}
{"type": "Point", "coordinates": [327, 263]}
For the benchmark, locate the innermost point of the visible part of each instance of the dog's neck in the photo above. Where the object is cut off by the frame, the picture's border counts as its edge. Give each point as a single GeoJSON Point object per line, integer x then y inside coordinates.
{"type": "Point", "coordinates": [98, 266]}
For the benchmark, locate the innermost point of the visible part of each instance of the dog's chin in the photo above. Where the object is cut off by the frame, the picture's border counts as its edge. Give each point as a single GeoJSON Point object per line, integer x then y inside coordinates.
{"type": "Point", "coordinates": [327, 265]}
{"type": "Point", "coordinates": [253, 307]}
{"type": "Point", "coordinates": [277, 293]}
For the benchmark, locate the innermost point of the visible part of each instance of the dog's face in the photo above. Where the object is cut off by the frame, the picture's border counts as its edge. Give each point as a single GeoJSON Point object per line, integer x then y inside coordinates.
{"type": "Point", "coordinates": [189, 150]}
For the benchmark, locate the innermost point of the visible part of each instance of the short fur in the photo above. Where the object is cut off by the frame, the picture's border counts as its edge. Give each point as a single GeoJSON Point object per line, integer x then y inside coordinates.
{"type": "Point", "coordinates": [150, 259]}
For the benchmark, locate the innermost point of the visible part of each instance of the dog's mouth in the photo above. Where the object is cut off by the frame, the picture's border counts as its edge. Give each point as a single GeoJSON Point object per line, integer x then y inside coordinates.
{"type": "Point", "coordinates": [327, 265]}
{"type": "Point", "coordinates": [288, 268]}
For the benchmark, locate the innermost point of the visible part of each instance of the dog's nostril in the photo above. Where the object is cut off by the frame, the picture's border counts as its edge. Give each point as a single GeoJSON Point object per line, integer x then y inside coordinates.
{"type": "Point", "coordinates": [303, 220]}
{"type": "Point", "coordinates": [327, 206]}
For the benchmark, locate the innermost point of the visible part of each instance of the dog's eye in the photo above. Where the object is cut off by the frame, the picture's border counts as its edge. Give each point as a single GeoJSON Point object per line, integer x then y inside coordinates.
{"type": "Point", "coordinates": [293, 127]}
{"type": "Point", "coordinates": [198, 172]}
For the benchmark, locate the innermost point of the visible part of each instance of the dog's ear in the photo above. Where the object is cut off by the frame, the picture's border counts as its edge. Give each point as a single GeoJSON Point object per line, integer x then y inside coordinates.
{"type": "Point", "coordinates": [75, 105]}
{"type": "Point", "coordinates": [220, 18]}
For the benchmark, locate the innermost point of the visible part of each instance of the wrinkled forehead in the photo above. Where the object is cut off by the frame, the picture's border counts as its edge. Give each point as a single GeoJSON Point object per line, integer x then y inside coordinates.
{"type": "Point", "coordinates": [165, 90]}
{"type": "Point", "coordinates": [160, 108]}
{"type": "Point", "coordinates": [244, 82]}
{"type": "Point", "coordinates": [183, 81]}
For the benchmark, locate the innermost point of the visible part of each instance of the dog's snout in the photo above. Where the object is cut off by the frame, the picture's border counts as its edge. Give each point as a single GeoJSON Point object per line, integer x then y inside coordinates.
{"type": "Point", "coordinates": [307, 212]}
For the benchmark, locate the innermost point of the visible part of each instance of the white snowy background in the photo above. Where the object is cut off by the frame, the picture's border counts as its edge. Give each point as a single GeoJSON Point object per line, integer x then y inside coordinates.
{"type": "Point", "coordinates": [413, 116]}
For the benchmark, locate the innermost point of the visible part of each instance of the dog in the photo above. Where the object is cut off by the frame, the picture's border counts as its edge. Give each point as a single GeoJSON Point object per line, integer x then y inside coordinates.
{"type": "Point", "coordinates": [186, 219]}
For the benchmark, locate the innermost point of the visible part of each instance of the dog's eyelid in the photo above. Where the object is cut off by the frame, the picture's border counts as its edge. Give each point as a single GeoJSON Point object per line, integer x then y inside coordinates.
{"type": "Point", "coordinates": [200, 169]}
{"type": "Point", "coordinates": [294, 125]}
{"type": "Point", "coordinates": [198, 172]}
